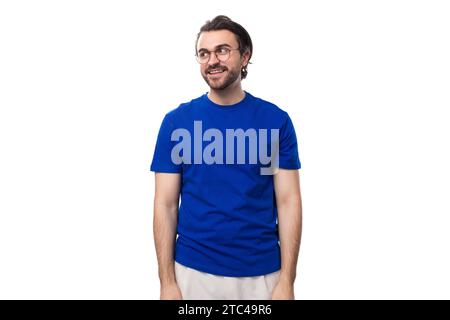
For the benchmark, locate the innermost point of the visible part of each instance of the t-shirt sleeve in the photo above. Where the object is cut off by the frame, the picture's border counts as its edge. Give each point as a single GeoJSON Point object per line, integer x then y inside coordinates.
{"type": "Point", "coordinates": [162, 161]}
{"type": "Point", "coordinates": [289, 158]}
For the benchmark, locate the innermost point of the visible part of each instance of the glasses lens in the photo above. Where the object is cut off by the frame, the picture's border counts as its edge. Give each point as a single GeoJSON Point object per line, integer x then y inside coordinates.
{"type": "Point", "coordinates": [223, 54]}
{"type": "Point", "coordinates": [203, 57]}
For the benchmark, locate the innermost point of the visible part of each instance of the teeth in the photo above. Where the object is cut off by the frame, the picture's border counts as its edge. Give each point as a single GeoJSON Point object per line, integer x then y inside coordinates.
{"type": "Point", "coordinates": [216, 71]}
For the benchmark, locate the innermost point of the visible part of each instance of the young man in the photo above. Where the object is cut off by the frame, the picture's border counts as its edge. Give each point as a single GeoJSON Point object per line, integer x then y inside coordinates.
{"type": "Point", "coordinates": [233, 159]}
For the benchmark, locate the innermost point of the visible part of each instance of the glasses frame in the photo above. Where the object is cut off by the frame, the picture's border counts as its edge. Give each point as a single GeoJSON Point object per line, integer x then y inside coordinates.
{"type": "Point", "coordinates": [215, 53]}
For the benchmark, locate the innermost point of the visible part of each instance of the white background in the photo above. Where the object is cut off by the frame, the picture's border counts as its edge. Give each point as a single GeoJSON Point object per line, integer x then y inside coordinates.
{"type": "Point", "coordinates": [84, 86]}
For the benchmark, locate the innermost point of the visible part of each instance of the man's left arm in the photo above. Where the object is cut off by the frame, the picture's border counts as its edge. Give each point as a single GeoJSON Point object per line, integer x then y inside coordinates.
{"type": "Point", "coordinates": [289, 207]}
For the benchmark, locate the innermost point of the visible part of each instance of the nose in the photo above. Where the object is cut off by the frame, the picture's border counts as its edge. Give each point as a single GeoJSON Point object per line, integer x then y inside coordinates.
{"type": "Point", "coordinates": [213, 59]}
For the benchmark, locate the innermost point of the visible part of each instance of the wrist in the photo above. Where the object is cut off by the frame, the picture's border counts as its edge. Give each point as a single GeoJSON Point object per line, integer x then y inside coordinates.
{"type": "Point", "coordinates": [168, 284]}
{"type": "Point", "coordinates": [286, 279]}
{"type": "Point", "coordinates": [167, 281]}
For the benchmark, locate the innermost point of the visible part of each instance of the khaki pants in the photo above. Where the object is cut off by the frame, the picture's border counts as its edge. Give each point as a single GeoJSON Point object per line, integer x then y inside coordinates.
{"type": "Point", "coordinates": [198, 285]}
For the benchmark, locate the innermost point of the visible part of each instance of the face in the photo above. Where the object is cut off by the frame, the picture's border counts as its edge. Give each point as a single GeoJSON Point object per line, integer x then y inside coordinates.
{"type": "Point", "coordinates": [230, 70]}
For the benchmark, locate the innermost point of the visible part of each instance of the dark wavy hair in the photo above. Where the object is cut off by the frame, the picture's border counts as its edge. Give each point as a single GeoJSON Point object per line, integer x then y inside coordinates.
{"type": "Point", "coordinates": [224, 23]}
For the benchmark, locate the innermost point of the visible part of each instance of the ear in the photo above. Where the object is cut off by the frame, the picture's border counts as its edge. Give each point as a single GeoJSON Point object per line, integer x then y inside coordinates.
{"type": "Point", "coordinates": [245, 58]}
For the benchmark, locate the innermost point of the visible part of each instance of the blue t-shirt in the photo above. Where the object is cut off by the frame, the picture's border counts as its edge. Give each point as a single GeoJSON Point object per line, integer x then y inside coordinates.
{"type": "Point", "coordinates": [227, 218]}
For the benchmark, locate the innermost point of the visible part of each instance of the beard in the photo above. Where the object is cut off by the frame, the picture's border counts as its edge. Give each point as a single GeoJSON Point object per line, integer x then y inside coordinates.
{"type": "Point", "coordinates": [224, 81]}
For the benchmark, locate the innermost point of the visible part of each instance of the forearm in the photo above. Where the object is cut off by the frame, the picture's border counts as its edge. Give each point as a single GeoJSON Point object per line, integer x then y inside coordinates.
{"type": "Point", "coordinates": [164, 230]}
{"type": "Point", "coordinates": [290, 229]}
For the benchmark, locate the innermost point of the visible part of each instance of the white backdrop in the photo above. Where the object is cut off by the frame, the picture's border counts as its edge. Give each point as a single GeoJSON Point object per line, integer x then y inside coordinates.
{"type": "Point", "coordinates": [84, 86]}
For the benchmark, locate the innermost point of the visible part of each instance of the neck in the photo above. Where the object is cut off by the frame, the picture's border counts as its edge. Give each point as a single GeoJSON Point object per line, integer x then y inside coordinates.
{"type": "Point", "coordinates": [230, 95]}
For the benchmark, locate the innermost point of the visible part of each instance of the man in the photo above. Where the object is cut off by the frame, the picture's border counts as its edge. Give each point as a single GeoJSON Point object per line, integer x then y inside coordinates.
{"type": "Point", "coordinates": [213, 152]}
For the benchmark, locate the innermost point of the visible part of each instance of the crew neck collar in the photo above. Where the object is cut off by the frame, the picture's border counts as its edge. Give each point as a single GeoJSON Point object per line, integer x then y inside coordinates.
{"type": "Point", "coordinates": [233, 106]}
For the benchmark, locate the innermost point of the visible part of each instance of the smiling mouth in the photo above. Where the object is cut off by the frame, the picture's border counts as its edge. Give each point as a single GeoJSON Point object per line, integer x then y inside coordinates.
{"type": "Point", "coordinates": [216, 72]}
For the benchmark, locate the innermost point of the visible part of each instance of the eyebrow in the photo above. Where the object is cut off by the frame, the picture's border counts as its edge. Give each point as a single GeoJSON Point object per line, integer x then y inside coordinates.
{"type": "Point", "coordinates": [218, 46]}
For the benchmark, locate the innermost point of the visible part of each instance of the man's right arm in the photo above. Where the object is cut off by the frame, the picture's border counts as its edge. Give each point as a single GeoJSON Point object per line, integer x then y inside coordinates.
{"type": "Point", "coordinates": [165, 221]}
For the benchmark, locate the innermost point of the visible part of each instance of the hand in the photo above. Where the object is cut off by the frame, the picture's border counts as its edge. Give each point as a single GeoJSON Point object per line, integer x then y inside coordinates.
{"type": "Point", "coordinates": [170, 292]}
{"type": "Point", "coordinates": [283, 291]}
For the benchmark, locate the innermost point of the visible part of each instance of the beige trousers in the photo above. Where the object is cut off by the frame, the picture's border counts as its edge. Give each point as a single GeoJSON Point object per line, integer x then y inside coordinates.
{"type": "Point", "coordinates": [198, 285]}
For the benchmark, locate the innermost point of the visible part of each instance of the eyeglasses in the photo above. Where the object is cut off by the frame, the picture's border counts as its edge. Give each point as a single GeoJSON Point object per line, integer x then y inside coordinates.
{"type": "Point", "coordinates": [222, 54]}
